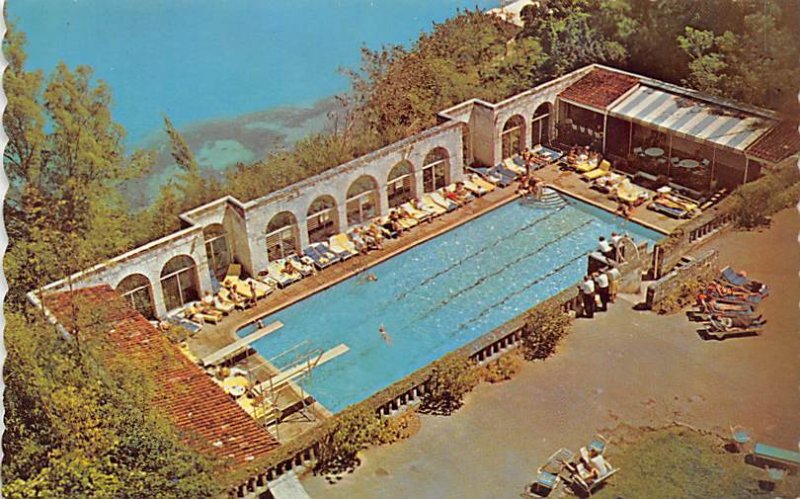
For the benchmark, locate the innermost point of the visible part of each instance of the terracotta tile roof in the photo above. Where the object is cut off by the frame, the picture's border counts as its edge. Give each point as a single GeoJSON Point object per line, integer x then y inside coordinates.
{"type": "Point", "coordinates": [207, 417]}
{"type": "Point", "coordinates": [600, 88]}
{"type": "Point", "coordinates": [777, 144]}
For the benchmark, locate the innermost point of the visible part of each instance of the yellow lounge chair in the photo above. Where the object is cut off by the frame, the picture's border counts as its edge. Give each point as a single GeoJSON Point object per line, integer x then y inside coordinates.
{"type": "Point", "coordinates": [233, 273]}
{"type": "Point", "coordinates": [630, 193]}
{"type": "Point", "coordinates": [586, 166]}
{"type": "Point", "coordinates": [340, 243]}
{"type": "Point", "coordinates": [196, 313]}
{"type": "Point", "coordinates": [418, 216]}
{"type": "Point", "coordinates": [430, 205]}
{"type": "Point", "coordinates": [601, 171]}
{"type": "Point", "coordinates": [477, 180]}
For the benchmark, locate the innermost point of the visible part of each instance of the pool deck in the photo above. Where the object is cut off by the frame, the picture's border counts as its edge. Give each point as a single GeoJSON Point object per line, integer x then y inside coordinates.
{"type": "Point", "coordinates": [214, 337]}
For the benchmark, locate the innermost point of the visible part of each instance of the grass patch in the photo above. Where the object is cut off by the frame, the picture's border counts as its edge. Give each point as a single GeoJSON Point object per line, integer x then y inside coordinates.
{"type": "Point", "coordinates": [682, 463]}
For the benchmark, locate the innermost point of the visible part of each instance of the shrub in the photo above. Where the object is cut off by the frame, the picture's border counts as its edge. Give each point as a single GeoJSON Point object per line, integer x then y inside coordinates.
{"type": "Point", "coordinates": [394, 429]}
{"type": "Point", "coordinates": [681, 296]}
{"type": "Point", "coordinates": [355, 429]}
{"type": "Point", "coordinates": [543, 330]}
{"type": "Point", "coordinates": [756, 201]}
{"type": "Point", "coordinates": [502, 369]}
{"type": "Point", "coordinates": [453, 377]}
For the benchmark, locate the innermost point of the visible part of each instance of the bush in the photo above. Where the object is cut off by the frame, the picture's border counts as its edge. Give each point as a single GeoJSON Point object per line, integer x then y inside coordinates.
{"type": "Point", "coordinates": [355, 430]}
{"type": "Point", "coordinates": [756, 201]}
{"type": "Point", "coordinates": [502, 369]}
{"type": "Point", "coordinates": [543, 330]}
{"type": "Point", "coordinates": [453, 377]}
{"type": "Point", "coordinates": [394, 429]}
{"type": "Point", "coordinates": [681, 296]}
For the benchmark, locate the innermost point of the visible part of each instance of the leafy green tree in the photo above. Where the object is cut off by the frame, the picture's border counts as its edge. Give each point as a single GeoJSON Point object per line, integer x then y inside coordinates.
{"type": "Point", "coordinates": [64, 161]}
{"type": "Point", "coordinates": [544, 329]}
{"type": "Point", "coordinates": [452, 378]}
{"type": "Point", "coordinates": [80, 422]}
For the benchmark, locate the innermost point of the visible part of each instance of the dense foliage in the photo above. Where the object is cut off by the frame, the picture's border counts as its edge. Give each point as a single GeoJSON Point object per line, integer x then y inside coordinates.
{"type": "Point", "coordinates": [544, 329]}
{"type": "Point", "coordinates": [452, 377]}
{"type": "Point", "coordinates": [755, 202]}
{"type": "Point", "coordinates": [79, 423]}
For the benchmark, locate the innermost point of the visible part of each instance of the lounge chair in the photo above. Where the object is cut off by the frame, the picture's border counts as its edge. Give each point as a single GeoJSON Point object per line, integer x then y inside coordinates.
{"type": "Point", "coordinates": [342, 246]}
{"type": "Point", "coordinates": [233, 273]}
{"type": "Point", "coordinates": [548, 476]}
{"type": "Point", "coordinates": [506, 172]}
{"type": "Point", "coordinates": [547, 154]}
{"type": "Point", "coordinates": [608, 183]}
{"type": "Point", "coordinates": [481, 184]}
{"type": "Point", "coordinates": [587, 165]}
{"type": "Point", "coordinates": [276, 270]}
{"type": "Point", "coordinates": [189, 325]}
{"type": "Point", "coordinates": [439, 198]}
{"type": "Point", "coordinates": [630, 193]}
{"type": "Point", "coordinates": [429, 205]}
{"type": "Point", "coordinates": [320, 255]}
{"type": "Point", "coordinates": [776, 456]}
{"type": "Point", "coordinates": [305, 268]}
{"type": "Point", "coordinates": [418, 216]}
{"type": "Point", "coordinates": [227, 298]}
{"type": "Point", "coordinates": [512, 165]}
{"type": "Point", "coordinates": [204, 315]}
{"type": "Point", "coordinates": [723, 327]}
{"type": "Point", "coordinates": [222, 305]}
{"type": "Point", "coordinates": [494, 175]}
{"type": "Point", "coordinates": [739, 280]}
{"type": "Point", "coordinates": [601, 171]}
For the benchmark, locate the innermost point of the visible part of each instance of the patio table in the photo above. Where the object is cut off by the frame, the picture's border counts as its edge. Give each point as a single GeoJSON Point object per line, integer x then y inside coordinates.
{"type": "Point", "coordinates": [654, 152]}
{"type": "Point", "coordinates": [688, 164]}
{"type": "Point", "coordinates": [236, 385]}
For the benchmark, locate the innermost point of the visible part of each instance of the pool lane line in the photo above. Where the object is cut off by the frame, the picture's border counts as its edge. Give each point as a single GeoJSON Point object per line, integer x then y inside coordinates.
{"type": "Point", "coordinates": [463, 260]}
{"type": "Point", "coordinates": [525, 288]}
{"type": "Point", "coordinates": [516, 261]}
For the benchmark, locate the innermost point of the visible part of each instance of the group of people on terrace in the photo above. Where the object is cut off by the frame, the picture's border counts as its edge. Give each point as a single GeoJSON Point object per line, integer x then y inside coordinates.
{"type": "Point", "coordinates": [600, 288]}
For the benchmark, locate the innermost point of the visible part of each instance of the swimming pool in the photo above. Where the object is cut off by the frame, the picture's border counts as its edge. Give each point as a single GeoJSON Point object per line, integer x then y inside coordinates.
{"type": "Point", "coordinates": [438, 296]}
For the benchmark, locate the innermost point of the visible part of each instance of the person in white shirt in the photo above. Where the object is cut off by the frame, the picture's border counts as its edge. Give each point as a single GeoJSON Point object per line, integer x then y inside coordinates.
{"type": "Point", "coordinates": [602, 289]}
{"type": "Point", "coordinates": [605, 248]}
{"type": "Point", "coordinates": [616, 243]}
{"type": "Point", "coordinates": [587, 293]}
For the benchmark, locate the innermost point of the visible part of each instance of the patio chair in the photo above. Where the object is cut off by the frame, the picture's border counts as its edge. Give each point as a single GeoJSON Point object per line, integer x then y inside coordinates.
{"type": "Point", "coordinates": [548, 476]}
{"type": "Point", "coordinates": [740, 280]}
{"type": "Point", "coordinates": [740, 437]}
{"type": "Point", "coordinates": [781, 458]}
{"type": "Point", "coordinates": [601, 171]}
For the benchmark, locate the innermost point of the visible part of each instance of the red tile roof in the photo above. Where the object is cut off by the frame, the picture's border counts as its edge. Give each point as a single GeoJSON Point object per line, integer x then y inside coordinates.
{"type": "Point", "coordinates": [206, 416]}
{"type": "Point", "coordinates": [777, 144]}
{"type": "Point", "coordinates": [600, 88]}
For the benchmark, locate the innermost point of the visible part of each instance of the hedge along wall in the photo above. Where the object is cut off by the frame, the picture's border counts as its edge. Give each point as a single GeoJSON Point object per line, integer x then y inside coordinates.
{"type": "Point", "coordinates": [305, 447]}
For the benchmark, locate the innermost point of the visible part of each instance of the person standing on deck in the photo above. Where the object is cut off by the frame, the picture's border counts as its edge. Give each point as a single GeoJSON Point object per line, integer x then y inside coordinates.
{"type": "Point", "coordinates": [613, 283]}
{"type": "Point", "coordinates": [602, 289]}
{"type": "Point", "coordinates": [605, 248]}
{"type": "Point", "coordinates": [587, 293]}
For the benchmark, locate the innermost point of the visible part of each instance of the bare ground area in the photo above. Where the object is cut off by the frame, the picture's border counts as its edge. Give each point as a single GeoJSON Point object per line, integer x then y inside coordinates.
{"type": "Point", "coordinates": [624, 366]}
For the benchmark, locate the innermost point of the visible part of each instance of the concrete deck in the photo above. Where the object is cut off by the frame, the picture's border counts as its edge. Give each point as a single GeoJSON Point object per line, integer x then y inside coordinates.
{"type": "Point", "coordinates": [623, 366]}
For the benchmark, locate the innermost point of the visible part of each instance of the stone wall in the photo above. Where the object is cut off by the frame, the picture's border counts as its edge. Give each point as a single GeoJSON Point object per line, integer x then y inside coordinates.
{"type": "Point", "coordinates": [702, 267]}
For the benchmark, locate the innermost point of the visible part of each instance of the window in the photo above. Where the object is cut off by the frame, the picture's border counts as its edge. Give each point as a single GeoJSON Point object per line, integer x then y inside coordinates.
{"type": "Point", "coordinates": [400, 187]}
{"type": "Point", "coordinates": [282, 238]}
{"type": "Point", "coordinates": [179, 282]}
{"type": "Point", "coordinates": [322, 219]}
{"type": "Point", "coordinates": [435, 171]}
{"type": "Point", "coordinates": [512, 136]}
{"type": "Point", "coordinates": [217, 252]}
{"type": "Point", "coordinates": [362, 200]}
{"type": "Point", "coordinates": [135, 290]}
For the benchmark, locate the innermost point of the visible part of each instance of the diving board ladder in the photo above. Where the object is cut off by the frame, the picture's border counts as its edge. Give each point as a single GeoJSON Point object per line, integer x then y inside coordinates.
{"type": "Point", "coordinates": [299, 369]}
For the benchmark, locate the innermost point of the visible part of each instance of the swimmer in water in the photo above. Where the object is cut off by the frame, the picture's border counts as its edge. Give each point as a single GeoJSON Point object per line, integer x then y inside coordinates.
{"type": "Point", "coordinates": [385, 335]}
{"type": "Point", "coordinates": [372, 277]}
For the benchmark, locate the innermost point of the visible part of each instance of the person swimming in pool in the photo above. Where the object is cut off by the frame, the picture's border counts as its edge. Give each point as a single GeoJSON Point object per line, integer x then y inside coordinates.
{"type": "Point", "coordinates": [372, 277]}
{"type": "Point", "coordinates": [385, 335]}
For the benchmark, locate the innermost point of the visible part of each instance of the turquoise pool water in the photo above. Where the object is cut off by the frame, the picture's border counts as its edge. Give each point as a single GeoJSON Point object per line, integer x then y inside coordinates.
{"type": "Point", "coordinates": [438, 296]}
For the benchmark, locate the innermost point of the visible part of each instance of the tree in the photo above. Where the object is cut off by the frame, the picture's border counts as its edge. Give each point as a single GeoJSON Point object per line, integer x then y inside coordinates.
{"type": "Point", "coordinates": [64, 161]}
{"type": "Point", "coordinates": [453, 377]}
{"type": "Point", "coordinates": [80, 422]}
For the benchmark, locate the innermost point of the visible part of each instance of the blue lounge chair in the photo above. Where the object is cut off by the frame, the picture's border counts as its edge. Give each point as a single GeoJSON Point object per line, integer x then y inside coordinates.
{"type": "Point", "coordinates": [500, 168]}
{"type": "Point", "coordinates": [321, 255]}
{"type": "Point", "coordinates": [777, 456]}
{"type": "Point", "coordinates": [736, 279]}
{"type": "Point", "coordinates": [493, 175]}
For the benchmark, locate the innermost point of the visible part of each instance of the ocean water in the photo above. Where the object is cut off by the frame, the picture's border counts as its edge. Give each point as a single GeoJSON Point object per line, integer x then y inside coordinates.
{"type": "Point", "coordinates": [204, 60]}
{"type": "Point", "coordinates": [437, 296]}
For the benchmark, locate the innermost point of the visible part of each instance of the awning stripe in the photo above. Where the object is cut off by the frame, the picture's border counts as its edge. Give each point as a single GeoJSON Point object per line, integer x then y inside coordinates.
{"type": "Point", "coordinates": [684, 116]}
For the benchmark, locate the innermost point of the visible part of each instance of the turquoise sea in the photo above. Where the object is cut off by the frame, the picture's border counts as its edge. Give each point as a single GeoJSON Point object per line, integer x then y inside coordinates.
{"type": "Point", "coordinates": [240, 78]}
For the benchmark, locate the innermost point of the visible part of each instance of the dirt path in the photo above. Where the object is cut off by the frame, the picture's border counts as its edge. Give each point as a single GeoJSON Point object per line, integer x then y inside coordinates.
{"type": "Point", "coordinates": [623, 366]}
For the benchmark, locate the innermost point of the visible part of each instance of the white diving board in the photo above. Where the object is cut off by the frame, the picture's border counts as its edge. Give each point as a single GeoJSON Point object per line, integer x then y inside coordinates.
{"type": "Point", "coordinates": [239, 346]}
{"type": "Point", "coordinates": [296, 370]}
